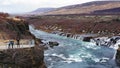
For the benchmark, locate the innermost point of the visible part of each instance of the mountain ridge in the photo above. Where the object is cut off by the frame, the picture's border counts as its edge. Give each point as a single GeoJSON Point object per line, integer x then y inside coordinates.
{"type": "Point", "coordinates": [85, 8]}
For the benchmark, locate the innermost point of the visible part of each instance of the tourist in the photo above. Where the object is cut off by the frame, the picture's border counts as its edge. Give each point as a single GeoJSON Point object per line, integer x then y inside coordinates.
{"type": "Point", "coordinates": [11, 43]}
{"type": "Point", "coordinates": [18, 43]}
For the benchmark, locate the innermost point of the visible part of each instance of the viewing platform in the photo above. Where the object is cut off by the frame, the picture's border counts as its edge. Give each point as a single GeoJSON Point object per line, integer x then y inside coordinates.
{"type": "Point", "coordinates": [23, 44]}
{"type": "Point", "coordinates": [4, 47]}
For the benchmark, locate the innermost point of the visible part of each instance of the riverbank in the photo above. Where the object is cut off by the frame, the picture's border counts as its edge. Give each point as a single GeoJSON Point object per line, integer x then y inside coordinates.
{"type": "Point", "coordinates": [106, 25]}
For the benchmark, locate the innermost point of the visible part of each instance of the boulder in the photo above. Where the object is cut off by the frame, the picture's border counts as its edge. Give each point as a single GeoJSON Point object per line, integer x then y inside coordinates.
{"type": "Point", "coordinates": [52, 44]}
{"type": "Point", "coordinates": [68, 34]}
{"type": "Point", "coordinates": [87, 39]}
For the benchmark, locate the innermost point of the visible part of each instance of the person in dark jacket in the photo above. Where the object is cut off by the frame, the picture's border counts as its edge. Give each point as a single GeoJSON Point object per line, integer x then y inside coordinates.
{"type": "Point", "coordinates": [11, 44]}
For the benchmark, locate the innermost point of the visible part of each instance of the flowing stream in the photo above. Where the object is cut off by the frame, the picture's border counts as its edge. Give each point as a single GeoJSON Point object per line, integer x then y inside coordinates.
{"type": "Point", "coordinates": [73, 53]}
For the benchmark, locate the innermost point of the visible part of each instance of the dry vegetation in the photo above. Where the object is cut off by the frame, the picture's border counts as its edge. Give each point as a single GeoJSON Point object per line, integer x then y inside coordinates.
{"type": "Point", "coordinates": [77, 24]}
{"type": "Point", "coordinates": [10, 28]}
{"type": "Point", "coordinates": [22, 58]}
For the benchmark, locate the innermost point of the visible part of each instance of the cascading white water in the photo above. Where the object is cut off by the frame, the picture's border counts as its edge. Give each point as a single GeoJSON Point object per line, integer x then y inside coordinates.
{"type": "Point", "coordinates": [73, 53]}
{"type": "Point", "coordinates": [115, 47]}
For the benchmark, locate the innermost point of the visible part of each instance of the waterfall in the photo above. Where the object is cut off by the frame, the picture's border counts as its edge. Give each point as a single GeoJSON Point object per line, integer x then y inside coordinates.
{"type": "Point", "coordinates": [115, 47]}
{"type": "Point", "coordinates": [114, 57]}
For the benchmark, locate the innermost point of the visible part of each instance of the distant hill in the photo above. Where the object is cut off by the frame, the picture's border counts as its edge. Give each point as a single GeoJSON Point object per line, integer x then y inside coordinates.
{"type": "Point", "coordinates": [41, 10]}
{"type": "Point", "coordinates": [87, 8]}
{"type": "Point", "coordinates": [108, 11]}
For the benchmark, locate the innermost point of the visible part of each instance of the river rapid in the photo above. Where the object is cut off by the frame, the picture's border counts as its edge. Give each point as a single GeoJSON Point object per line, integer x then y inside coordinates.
{"type": "Point", "coordinates": [72, 53]}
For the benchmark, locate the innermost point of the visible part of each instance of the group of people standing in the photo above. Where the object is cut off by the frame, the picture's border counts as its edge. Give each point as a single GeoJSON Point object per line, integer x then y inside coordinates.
{"type": "Point", "coordinates": [11, 44]}
{"type": "Point", "coordinates": [16, 43]}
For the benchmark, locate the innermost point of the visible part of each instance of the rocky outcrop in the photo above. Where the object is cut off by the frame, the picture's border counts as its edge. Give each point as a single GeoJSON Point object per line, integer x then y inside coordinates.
{"type": "Point", "coordinates": [13, 28]}
{"type": "Point", "coordinates": [23, 58]}
{"type": "Point", "coordinates": [118, 57]}
{"type": "Point", "coordinates": [87, 39]}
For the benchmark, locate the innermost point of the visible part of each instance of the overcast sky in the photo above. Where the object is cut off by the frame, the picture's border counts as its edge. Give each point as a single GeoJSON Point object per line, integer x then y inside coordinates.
{"type": "Point", "coordinates": [20, 6]}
